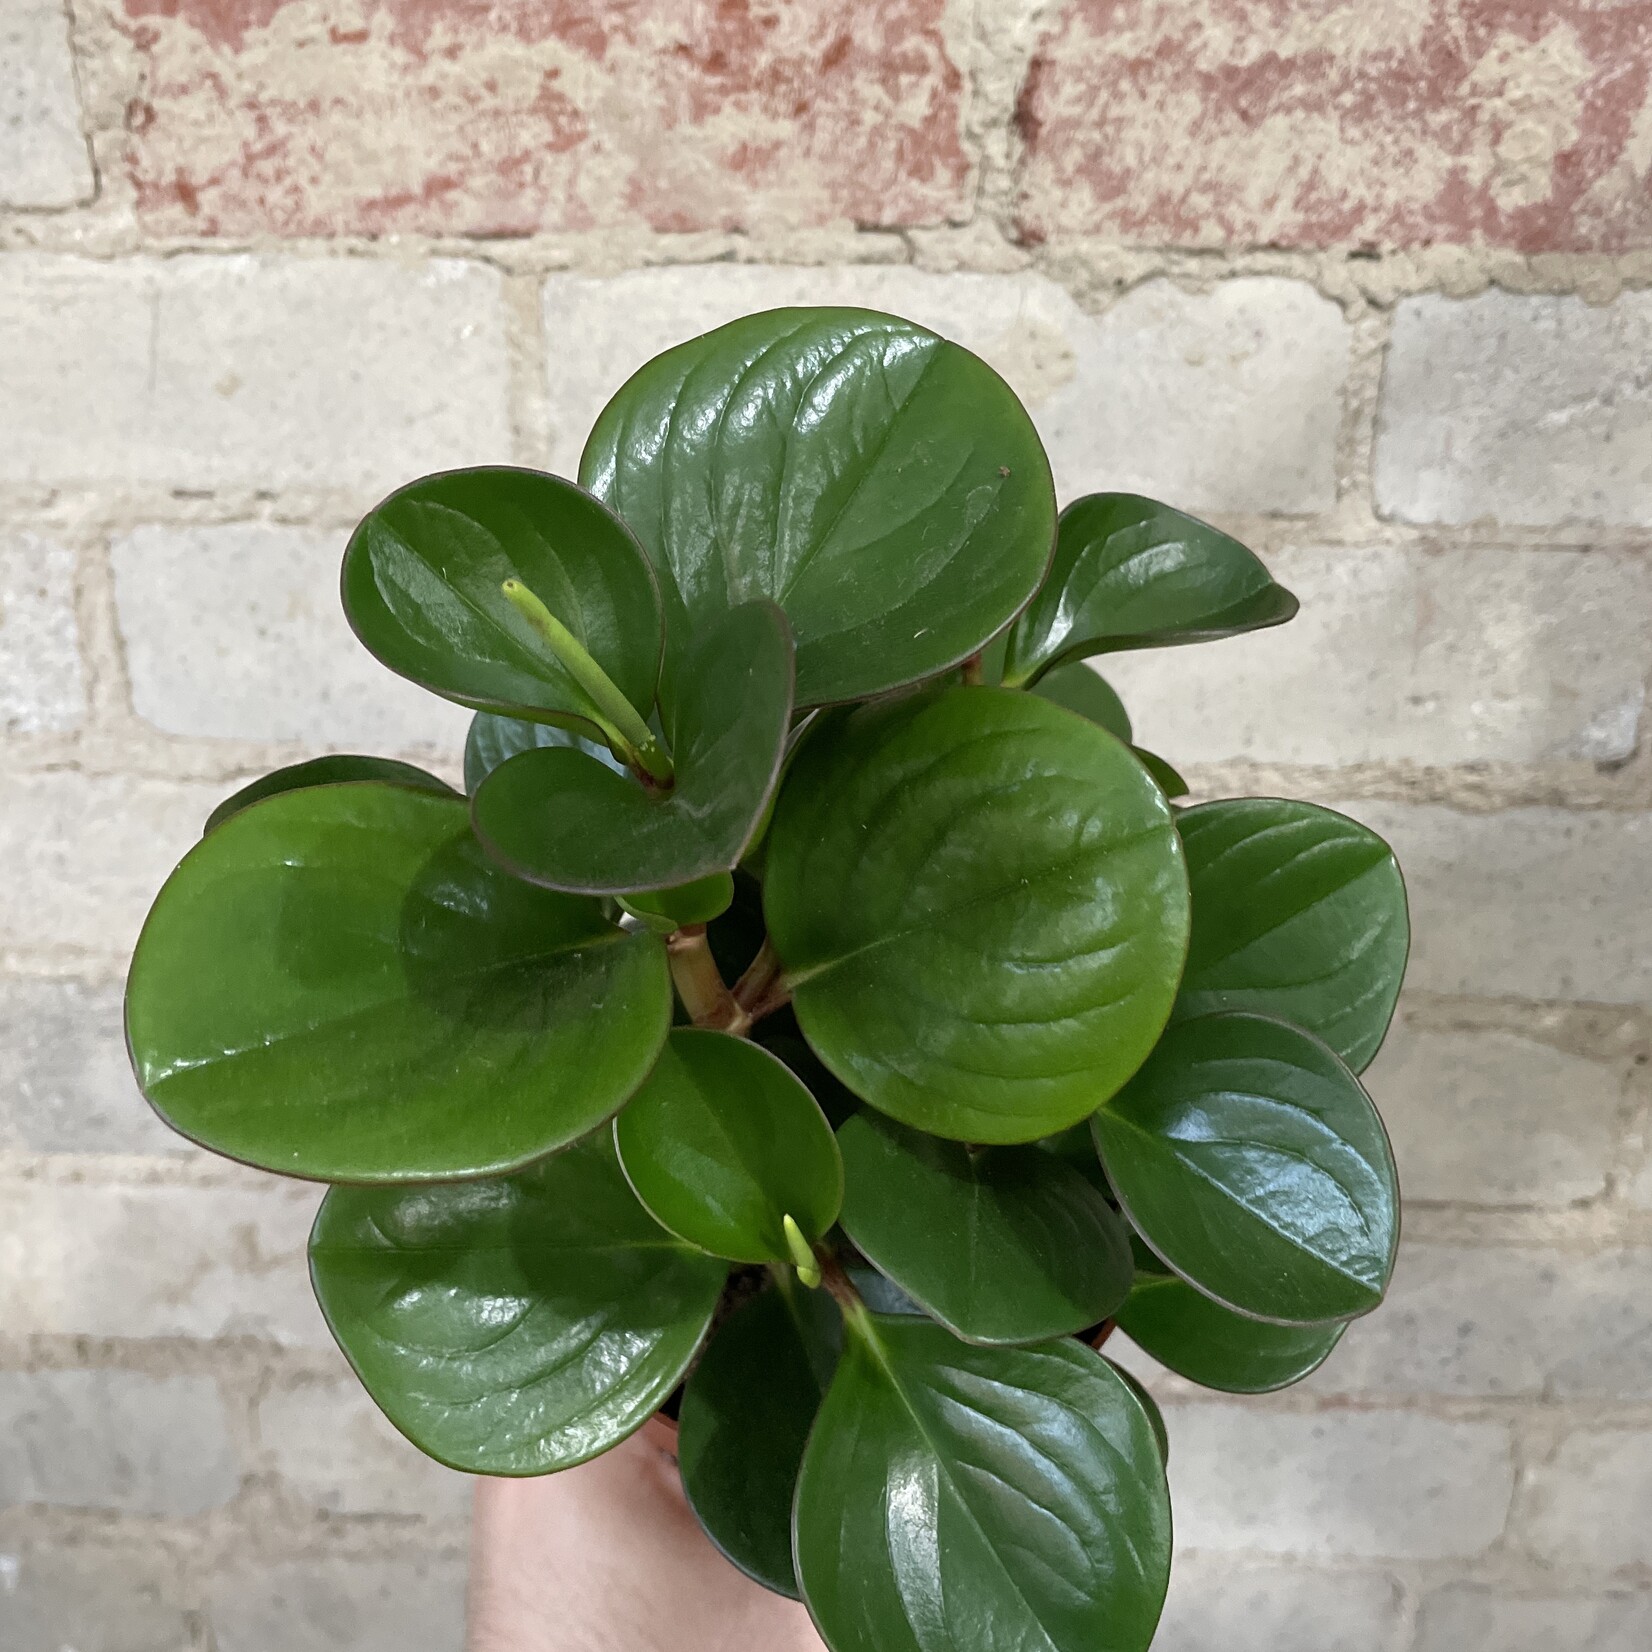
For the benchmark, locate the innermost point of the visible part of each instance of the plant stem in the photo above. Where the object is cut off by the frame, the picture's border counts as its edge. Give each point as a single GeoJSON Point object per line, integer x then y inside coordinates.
{"type": "Point", "coordinates": [972, 670]}
{"type": "Point", "coordinates": [843, 1291]}
{"type": "Point", "coordinates": [700, 984]}
{"type": "Point", "coordinates": [758, 981]}
{"type": "Point", "coordinates": [621, 721]}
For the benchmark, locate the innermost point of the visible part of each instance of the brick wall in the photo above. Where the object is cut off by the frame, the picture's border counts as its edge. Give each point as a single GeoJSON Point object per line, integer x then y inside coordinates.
{"type": "Point", "coordinates": [1366, 283]}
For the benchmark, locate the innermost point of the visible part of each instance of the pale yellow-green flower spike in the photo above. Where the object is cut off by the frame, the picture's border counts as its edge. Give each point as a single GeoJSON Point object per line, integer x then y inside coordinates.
{"type": "Point", "coordinates": [808, 1264]}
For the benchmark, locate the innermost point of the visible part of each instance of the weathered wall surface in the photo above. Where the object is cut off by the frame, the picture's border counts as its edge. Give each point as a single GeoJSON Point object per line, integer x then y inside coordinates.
{"type": "Point", "coordinates": [1366, 283]}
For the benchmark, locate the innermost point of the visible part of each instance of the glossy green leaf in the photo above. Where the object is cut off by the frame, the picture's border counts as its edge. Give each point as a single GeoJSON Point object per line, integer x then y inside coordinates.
{"type": "Point", "coordinates": [689, 903]}
{"type": "Point", "coordinates": [1247, 1155]}
{"type": "Point", "coordinates": [1204, 1342]}
{"type": "Point", "coordinates": [1150, 1405]}
{"type": "Point", "coordinates": [981, 907]}
{"type": "Point", "coordinates": [1130, 573]}
{"type": "Point", "coordinates": [747, 1410]}
{"type": "Point", "coordinates": [882, 485]}
{"type": "Point", "coordinates": [493, 740]}
{"type": "Point", "coordinates": [338, 983]}
{"type": "Point", "coordinates": [422, 578]}
{"type": "Point", "coordinates": [960, 1497]}
{"type": "Point", "coordinates": [562, 819]}
{"type": "Point", "coordinates": [1000, 1244]}
{"type": "Point", "coordinates": [326, 771]}
{"type": "Point", "coordinates": [1076, 1146]}
{"type": "Point", "coordinates": [1080, 689]}
{"type": "Point", "coordinates": [779, 1035]}
{"type": "Point", "coordinates": [1297, 912]}
{"type": "Point", "coordinates": [513, 1325]}
{"type": "Point", "coordinates": [722, 1142]}
{"type": "Point", "coordinates": [1164, 776]}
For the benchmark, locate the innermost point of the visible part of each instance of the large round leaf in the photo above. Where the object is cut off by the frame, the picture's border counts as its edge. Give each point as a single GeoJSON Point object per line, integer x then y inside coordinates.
{"type": "Point", "coordinates": [747, 1410]}
{"type": "Point", "coordinates": [338, 983]}
{"type": "Point", "coordinates": [1204, 1342]}
{"type": "Point", "coordinates": [982, 909]}
{"type": "Point", "coordinates": [422, 589]}
{"type": "Point", "coordinates": [1247, 1155]}
{"type": "Point", "coordinates": [954, 1497]}
{"type": "Point", "coordinates": [514, 1325]}
{"type": "Point", "coordinates": [493, 740]}
{"type": "Point", "coordinates": [564, 819]}
{"type": "Point", "coordinates": [1131, 573]}
{"type": "Point", "coordinates": [1000, 1244]}
{"type": "Point", "coordinates": [722, 1143]}
{"type": "Point", "coordinates": [1298, 912]}
{"type": "Point", "coordinates": [882, 485]}
{"type": "Point", "coordinates": [326, 771]}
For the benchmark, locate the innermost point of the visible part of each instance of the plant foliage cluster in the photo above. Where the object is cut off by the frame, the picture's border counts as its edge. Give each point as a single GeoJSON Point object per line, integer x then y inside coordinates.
{"type": "Point", "coordinates": [817, 1015]}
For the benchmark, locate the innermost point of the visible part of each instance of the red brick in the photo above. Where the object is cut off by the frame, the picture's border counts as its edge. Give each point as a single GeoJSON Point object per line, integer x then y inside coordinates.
{"type": "Point", "coordinates": [1515, 123]}
{"type": "Point", "coordinates": [474, 117]}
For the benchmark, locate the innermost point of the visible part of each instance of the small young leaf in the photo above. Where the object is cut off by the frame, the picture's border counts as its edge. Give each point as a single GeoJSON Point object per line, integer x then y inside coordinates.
{"type": "Point", "coordinates": [493, 740]}
{"type": "Point", "coordinates": [1001, 1245]}
{"type": "Point", "coordinates": [980, 903]}
{"type": "Point", "coordinates": [689, 903]}
{"type": "Point", "coordinates": [337, 983]}
{"type": "Point", "coordinates": [513, 1326]}
{"type": "Point", "coordinates": [1164, 776]}
{"type": "Point", "coordinates": [1197, 1339]}
{"type": "Point", "coordinates": [1298, 912]}
{"type": "Point", "coordinates": [561, 819]}
{"type": "Point", "coordinates": [326, 771]}
{"type": "Point", "coordinates": [1247, 1155]}
{"type": "Point", "coordinates": [722, 1143]}
{"type": "Point", "coordinates": [747, 1410]}
{"type": "Point", "coordinates": [882, 485]}
{"type": "Point", "coordinates": [1080, 689]}
{"type": "Point", "coordinates": [1130, 573]}
{"type": "Point", "coordinates": [423, 580]}
{"type": "Point", "coordinates": [954, 1496]}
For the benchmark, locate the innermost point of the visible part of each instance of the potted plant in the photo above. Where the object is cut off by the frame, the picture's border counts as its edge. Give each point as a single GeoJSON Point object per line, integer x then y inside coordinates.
{"type": "Point", "coordinates": [818, 1019]}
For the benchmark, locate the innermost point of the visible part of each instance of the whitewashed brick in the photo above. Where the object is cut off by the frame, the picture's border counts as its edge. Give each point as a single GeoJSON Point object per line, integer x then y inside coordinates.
{"type": "Point", "coordinates": [1414, 656]}
{"type": "Point", "coordinates": [1218, 1605]}
{"type": "Point", "coordinates": [270, 655]}
{"type": "Point", "coordinates": [1516, 408]}
{"type": "Point", "coordinates": [85, 854]}
{"type": "Point", "coordinates": [65, 1083]}
{"type": "Point", "coordinates": [78, 1259]}
{"type": "Point", "coordinates": [61, 1599]}
{"type": "Point", "coordinates": [1591, 1503]}
{"type": "Point", "coordinates": [1464, 1618]}
{"type": "Point", "coordinates": [1364, 1484]}
{"type": "Point", "coordinates": [1226, 401]}
{"type": "Point", "coordinates": [1491, 1118]}
{"type": "Point", "coordinates": [1530, 903]}
{"type": "Point", "coordinates": [244, 371]}
{"type": "Point", "coordinates": [43, 156]}
{"type": "Point", "coordinates": [42, 686]}
{"type": "Point", "coordinates": [351, 1606]}
{"type": "Point", "coordinates": [332, 1445]}
{"type": "Point", "coordinates": [115, 1440]}
{"type": "Point", "coordinates": [1528, 1321]}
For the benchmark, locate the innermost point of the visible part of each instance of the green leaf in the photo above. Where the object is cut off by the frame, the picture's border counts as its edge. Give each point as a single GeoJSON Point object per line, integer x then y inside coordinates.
{"type": "Point", "coordinates": [515, 1325]}
{"type": "Point", "coordinates": [337, 983]}
{"type": "Point", "coordinates": [779, 1035]}
{"type": "Point", "coordinates": [493, 740]}
{"type": "Point", "coordinates": [1130, 573]}
{"type": "Point", "coordinates": [422, 589]}
{"type": "Point", "coordinates": [1297, 912]}
{"type": "Point", "coordinates": [1080, 689]}
{"type": "Point", "coordinates": [882, 485]}
{"type": "Point", "coordinates": [747, 1410]}
{"type": "Point", "coordinates": [1197, 1339]}
{"type": "Point", "coordinates": [1164, 777]}
{"type": "Point", "coordinates": [1151, 1406]}
{"type": "Point", "coordinates": [561, 819]}
{"type": "Point", "coordinates": [981, 907]}
{"type": "Point", "coordinates": [954, 1496]}
{"type": "Point", "coordinates": [722, 1142]}
{"type": "Point", "coordinates": [326, 771]}
{"type": "Point", "coordinates": [1076, 1146]}
{"type": "Point", "coordinates": [689, 903]}
{"type": "Point", "coordinates": [1000, 1244]}
{"type": "Point", "coordinates": [1247, 1155]}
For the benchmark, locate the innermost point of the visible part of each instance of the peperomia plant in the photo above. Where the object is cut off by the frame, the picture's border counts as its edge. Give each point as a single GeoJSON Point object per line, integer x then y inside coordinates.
{"type": "Point", "coordinates": [817, 1020]}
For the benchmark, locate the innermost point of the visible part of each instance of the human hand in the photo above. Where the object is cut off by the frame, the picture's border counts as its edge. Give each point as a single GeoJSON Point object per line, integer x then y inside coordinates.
{"type": "Point", "coordinates": [607, 1557]}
